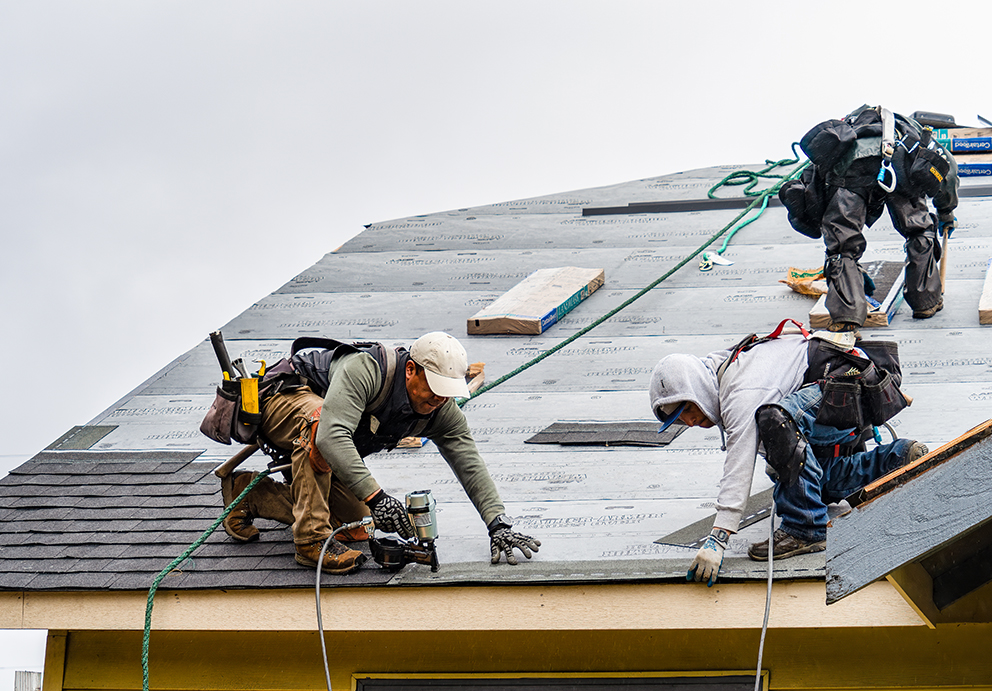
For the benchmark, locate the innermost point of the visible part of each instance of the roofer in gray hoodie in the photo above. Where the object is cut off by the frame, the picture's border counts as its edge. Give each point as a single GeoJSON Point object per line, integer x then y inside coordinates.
{"type": "Point", "coordinates": [686, 388]}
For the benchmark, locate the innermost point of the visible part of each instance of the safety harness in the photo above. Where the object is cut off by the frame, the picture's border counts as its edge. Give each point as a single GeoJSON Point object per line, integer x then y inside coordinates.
{"type": "Point", "coordinates": [860, 384]}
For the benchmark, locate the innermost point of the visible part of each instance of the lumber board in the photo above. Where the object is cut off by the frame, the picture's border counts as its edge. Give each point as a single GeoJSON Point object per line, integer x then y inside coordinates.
{"type": "Point", "coordinates": [985, 302]}
{"type": "Point", "coordinates": [902, 475]}
{"type": "Point", "coordinates": [889, 288]}
{"type": "Point", "coordinates": [914, 583]}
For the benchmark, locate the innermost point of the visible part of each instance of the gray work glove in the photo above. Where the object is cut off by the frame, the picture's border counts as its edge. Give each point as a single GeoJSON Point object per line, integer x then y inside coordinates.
{"type": "Point", "coordinates": [390, 515]}
{"type": "Point", "coordinates": [502, 540]}
{"type": "Point", "coordinates": [709, 558]}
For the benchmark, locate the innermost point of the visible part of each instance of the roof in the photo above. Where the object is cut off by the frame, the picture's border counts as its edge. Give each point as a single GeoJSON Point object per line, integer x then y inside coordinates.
{"type": "Point", "coordinates": [113, 502]}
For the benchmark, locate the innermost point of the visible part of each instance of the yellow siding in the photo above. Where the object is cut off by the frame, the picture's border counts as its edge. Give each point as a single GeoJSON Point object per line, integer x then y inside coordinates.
{"type": "Point", "coordinates": [823, 659]}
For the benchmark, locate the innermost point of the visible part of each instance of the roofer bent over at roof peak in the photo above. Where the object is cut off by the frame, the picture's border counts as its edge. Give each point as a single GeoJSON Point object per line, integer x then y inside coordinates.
{"type": "Point", "coordinates": [871, 160]}
{"type": "Point", "coordinates": [766, 400]}
{"type": "Point", "coordinates": [359, 399]}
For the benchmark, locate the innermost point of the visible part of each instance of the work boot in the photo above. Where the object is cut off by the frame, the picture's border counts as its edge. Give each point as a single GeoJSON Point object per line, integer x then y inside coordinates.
{"type": "Point", "coordinates": [239, 524]}
{"type": "Point", "coordinates": [785, 546]}
{"type": "Point", "coordinates": [929, 312]}
{"type": "Point", "coordinates": [338, 559]}
{"type": "Point", "coordinates": [917, 450]}
{"type": "Point", "coordinates": [358, 534]}
{"type": "Point", "coordinates": [845, 327]}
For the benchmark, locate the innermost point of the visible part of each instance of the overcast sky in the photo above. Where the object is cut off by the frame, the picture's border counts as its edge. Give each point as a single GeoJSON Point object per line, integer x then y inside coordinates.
{"type": "Point", "coordinates": [164, 165]}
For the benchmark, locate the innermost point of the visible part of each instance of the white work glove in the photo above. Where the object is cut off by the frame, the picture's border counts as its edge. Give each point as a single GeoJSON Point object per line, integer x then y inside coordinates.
{"type": "Point", "coordinates": [709, 558]}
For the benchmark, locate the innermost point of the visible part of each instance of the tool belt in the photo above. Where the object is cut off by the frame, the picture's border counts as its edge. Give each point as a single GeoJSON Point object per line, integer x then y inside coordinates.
{"type": "Point", "coordinates": [856, 391]}
{"type": "Point", "coordinates": [228, 418]}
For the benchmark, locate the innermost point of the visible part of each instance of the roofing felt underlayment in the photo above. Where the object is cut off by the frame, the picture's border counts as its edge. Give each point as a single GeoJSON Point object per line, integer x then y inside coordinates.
{"type": "Point", "coordinates": [110, 505]}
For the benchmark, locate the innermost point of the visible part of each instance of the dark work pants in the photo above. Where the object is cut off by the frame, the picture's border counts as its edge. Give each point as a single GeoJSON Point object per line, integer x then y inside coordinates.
{"type": "Point", "coordinates": [843, 234]}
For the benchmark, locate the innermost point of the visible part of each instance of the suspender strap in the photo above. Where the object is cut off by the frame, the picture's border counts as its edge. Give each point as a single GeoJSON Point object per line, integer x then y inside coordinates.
{"type": "Point", "coordinates": [888, 134]}
{"type": "Point", "coordinates": [781, 327]}
{"type": "Point", "coordinates": [387, 380]}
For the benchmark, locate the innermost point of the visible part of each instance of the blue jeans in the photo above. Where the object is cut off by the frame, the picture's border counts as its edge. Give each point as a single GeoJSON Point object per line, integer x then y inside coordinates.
{"type": "Point", "coordinates": [803, 507]}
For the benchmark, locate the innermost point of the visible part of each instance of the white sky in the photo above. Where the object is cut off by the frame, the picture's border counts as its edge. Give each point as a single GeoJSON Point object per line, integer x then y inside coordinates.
{"type": "Point", "coordinates": [164, 165]}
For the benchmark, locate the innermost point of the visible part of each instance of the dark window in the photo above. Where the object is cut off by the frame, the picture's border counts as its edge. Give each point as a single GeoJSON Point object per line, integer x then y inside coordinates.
{"type": "Point", "coordinates": [712, 683]}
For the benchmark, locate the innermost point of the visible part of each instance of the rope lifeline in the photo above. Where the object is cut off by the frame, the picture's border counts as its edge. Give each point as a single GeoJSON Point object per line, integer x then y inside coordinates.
{"type": "Point", "coordinates": [735, 178]}
{"type": "Point", "coordinates": [761, 197]}
{"type": "Point", "coordinates": [176, 562]}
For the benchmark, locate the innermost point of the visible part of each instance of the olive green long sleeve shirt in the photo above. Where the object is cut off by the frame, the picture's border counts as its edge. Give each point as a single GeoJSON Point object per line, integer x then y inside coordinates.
{"type": "Point", "coordinates": [355, 379]}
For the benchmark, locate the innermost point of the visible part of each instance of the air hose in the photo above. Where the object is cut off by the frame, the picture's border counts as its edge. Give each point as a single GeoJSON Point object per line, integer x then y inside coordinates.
{"type": "Point", "coordinates": [760, 196]}
{"type": "Point", "coordinates": [768, 595]}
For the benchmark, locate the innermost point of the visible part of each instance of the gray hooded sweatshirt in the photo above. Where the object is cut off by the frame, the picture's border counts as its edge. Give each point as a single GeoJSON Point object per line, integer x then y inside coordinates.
{"type": "Point", "coordinates": [765, 374]}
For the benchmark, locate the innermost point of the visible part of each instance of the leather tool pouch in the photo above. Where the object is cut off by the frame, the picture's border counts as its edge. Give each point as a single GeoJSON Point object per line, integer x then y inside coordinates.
{"type": "Point", "coordinates": [927, 171]}
{"type": "Point", "coordinates": [804, 199]}
{"type": "Point", "coordinates": [226, 420]}
{"type": "Point", "coordinates": [881, 399]}
{"type": "Point", "coordinates": [871, 397]}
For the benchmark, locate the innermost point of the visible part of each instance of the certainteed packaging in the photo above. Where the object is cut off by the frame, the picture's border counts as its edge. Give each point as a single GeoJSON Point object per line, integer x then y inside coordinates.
{"type": "Point", "coordinates": [964, 140]}
{"type": "Point", "coordinates": [974, 165]}
{"type": "Point", "coordinates": [537, 302]}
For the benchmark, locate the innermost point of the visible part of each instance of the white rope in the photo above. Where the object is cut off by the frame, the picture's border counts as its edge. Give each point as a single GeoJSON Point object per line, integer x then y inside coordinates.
{"type": "Point", "coordinates": [768, 595]}
{"type": "Point", "coordinates": [320, 560]}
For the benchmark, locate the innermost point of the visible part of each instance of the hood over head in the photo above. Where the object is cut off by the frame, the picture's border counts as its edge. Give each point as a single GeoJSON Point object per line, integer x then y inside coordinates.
{"type": "Point", "coordinates": [679, 378]}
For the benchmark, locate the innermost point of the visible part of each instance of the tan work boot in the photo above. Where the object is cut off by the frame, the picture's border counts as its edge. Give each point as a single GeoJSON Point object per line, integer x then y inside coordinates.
{"type": "Point", "coordinates": [358, 534]}
{"type": "Point", "coordinates": [239, 524]}
{"type": "Point", "coordinates": [338, 559]}
{"type": "Point", "coordinates": [929, 311]}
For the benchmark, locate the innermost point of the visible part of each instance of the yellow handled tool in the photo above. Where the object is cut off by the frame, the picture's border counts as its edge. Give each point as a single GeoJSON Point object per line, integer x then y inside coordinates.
{"type": "Point", "coordinates": [249, 395]}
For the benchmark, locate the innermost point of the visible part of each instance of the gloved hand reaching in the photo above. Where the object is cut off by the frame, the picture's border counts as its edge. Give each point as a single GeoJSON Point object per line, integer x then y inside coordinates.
{"type": "Point", "coordinates": [946, 221]}
{"type": "Point", "coordinates": [502, 540]}
{"type": "Point", "coordinates": [389, 514]}
{"type": "Point", "coordinates": [709, 558]}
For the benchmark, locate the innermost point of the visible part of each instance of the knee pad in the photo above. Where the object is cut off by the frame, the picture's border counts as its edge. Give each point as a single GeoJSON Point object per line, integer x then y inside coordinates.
{"type": "Point", "coordinates": [785, 446]}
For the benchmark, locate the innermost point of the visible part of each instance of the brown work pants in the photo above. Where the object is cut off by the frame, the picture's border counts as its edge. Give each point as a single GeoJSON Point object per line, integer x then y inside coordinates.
{"type": "Point", "coordinates": [320, 501]}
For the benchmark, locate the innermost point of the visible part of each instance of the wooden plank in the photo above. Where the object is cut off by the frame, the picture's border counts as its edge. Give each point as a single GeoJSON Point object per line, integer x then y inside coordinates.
{"type": "Point", "coordinates": [887, 284]}
{"type": "Point", "coordinates": [916, 586]}
{"type": "Point", "coordinates": [917, 519]}
{"type": "Point", "coordinates": [985, 301]}
{"type": "Point", "coordinates": [906, 473]}
{"type": "Point", "coordinates": [52, 679]}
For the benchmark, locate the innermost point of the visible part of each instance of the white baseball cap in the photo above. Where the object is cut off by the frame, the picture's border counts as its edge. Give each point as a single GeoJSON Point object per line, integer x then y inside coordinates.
{"type": "Point", "coordinates": [445, 362]}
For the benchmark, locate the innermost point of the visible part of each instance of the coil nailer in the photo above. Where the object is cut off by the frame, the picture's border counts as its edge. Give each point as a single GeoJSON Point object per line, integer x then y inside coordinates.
{"type": "Point", "coordinates": [392, 553]}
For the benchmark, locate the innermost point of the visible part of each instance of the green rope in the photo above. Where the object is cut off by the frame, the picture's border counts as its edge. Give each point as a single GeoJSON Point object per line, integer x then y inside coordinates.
{"type": "Point", "coordinates": [176, 562]}
{"type": "Point", "coordinates": [764, 195]}
{"type": "Point", "coordinates": [741, 177]}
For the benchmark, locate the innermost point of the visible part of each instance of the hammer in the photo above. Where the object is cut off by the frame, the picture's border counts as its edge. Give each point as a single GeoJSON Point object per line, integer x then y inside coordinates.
{"type": "Point", "coordinates": [228, 466]}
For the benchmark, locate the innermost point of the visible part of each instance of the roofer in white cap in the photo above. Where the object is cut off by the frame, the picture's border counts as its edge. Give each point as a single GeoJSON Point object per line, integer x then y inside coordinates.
{"type": "Point", "coordinates": [358, 399]}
